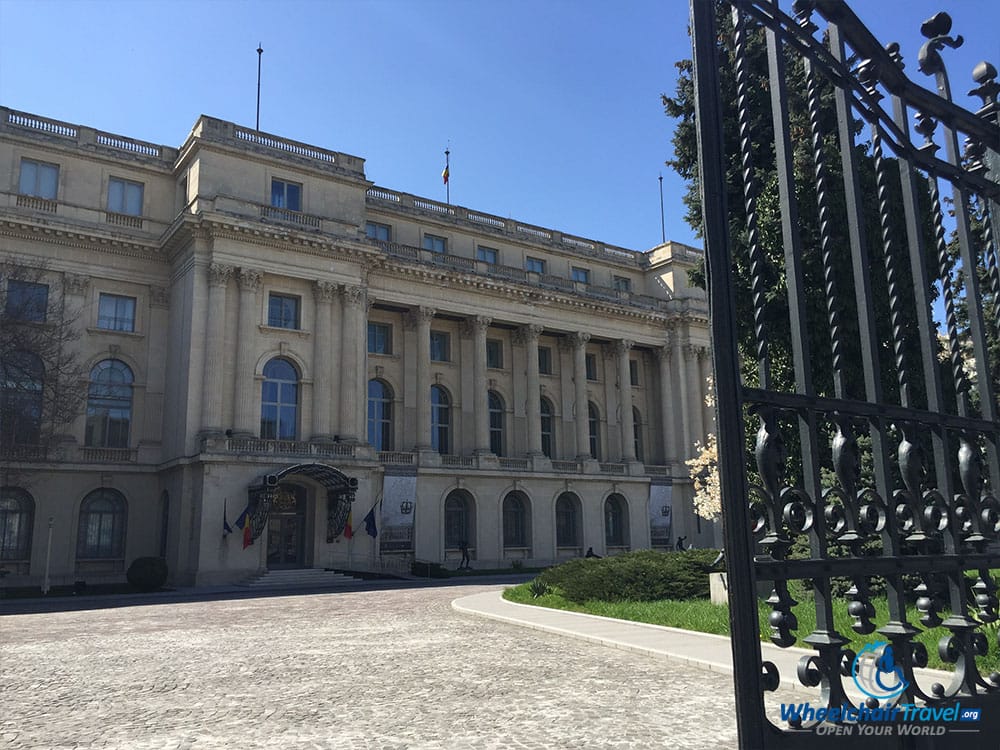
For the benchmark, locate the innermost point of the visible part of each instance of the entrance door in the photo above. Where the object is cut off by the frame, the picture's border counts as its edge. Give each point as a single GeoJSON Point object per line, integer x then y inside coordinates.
{"type": "Point", "coordinates": [286, 529]}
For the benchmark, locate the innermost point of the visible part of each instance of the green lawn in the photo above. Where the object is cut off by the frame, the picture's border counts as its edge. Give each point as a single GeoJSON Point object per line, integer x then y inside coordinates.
{"type": "Point", "coordinates": [703, 616]}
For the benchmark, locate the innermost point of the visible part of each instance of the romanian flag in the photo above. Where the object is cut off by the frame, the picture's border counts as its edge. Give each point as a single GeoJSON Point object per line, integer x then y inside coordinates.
{"type": "Point", "coordinates": [243, 522]}
{"type": "Point", "coordinates": [444, 174]}
{"type": "Point", "coordinates": [348, 530]}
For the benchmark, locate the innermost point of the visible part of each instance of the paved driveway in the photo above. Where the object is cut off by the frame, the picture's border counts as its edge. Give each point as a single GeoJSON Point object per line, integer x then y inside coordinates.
{"type": "Point", "coordinates": [388, 669]}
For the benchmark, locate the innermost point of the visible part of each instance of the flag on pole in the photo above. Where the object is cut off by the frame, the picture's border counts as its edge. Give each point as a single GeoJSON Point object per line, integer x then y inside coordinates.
{"type": "Point", "coordinates": [445, 173]}
{"type": "Point", "coordinates": [370, 526]}
{"type": "Point", "coordinates": [226, 528]}
{"type": "Point", "coordinates": [348, 530]}
{"type": "Point", "coordinates": [243, 522]}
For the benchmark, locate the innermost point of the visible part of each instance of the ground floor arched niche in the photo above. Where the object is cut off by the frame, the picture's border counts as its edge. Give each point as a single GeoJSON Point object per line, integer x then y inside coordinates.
{"type": "Point", "coordinates": [460, 529]}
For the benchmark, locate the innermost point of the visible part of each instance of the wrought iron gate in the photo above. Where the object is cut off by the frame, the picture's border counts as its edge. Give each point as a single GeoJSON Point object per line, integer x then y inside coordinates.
{"type": "Point", "coordinates": [869, 319]}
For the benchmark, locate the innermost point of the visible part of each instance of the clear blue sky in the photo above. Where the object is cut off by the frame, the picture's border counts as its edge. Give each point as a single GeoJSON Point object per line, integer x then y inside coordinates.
{"type": "Point", "coordinates": [551, 107]}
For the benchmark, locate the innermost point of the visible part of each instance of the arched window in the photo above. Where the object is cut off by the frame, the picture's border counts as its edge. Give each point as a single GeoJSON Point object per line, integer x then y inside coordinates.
{"type": "Point", "coordinates": [548, 427]}
{"type": "Point", "coordinates": [279, 401]}
{"type": "Point", "coordinates": [101, 534]}
{"type": "Point", "coordinates": [380, 415]}
{"type": "Point", "coordinates": [516, 521]}
{"type": "Point", "coordinates": [109, 405]}
{"type": "Point", "coordinates": [17, 515]}
{"type": "Point", "coordinates": [22, 376]}
{"type": "Point", "coordinates": [568, 518]}
{"type": "Point", "coordinates": [496, 424]}
{"type": "Point", "coordinates": [459, 523]}
{"type": "Point", "coordinates": [440, 420]}
{"type": "Point", "coordinates": [637, 433]}
{"type": "Point", "coordinates": [615, 521]}
{"type": "Point", "coordinates": [594, 423]}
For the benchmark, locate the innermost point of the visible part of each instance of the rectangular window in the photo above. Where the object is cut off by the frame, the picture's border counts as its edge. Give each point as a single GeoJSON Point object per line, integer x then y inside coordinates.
{"type": "Point", "coordinates": [286, 195]}
{"type": "Point", "coordinates": [494, 354]}
{"type": "Point", "coordinates": [591, 366]}
{"type": "Point", "coordinates": [435, 244]}
{"type": "Point", "coordinates": [534, 265]}
{"type": "Point", "coordinates": [633, 372]}
{"type": "Point", "coordinates": [581, 274]}
{"type": "Point", "coordinates": [622, 284]}
{"type": "Point", "coordinates": [125, 197]}
{"type": "Point", "coordinates": [38, 179]}
{"type": "Point", "coordinates": [379, 338]}
{"type": "Point", "coordinates": [116, 313]}
{"type": "Point", "coordinates": [283, 311]}
{"type": "Point", "coordinates": [27, 301]}
{"type": "Point", "coordinates": [544, 360]}
{"type": "Point", "coordinates": [487, 255]}
{"type": "Point", "coordinates": [440, 346]}
{"type": "Point", "coordinates": [376, 231]}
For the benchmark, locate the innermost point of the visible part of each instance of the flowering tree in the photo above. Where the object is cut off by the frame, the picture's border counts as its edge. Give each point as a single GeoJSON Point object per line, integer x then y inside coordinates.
{"type": "Point", "coordinates": [704, 468]}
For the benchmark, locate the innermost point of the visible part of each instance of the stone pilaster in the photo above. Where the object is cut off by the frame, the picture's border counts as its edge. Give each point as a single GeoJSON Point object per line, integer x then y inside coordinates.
{"type": "Point", "coordinates": [247, 417]}
{"type": "Point", "coordinates": [580, 411]}
{"type": "Point", "coordinates": [478, 326]}
{"type": "Point", "coordinates": [213, 374]}
{"type": "Point", "coordinates": [528, 335]}
{"type": "Point", "coordinates": [667, 421]}
{"type": "Point", "coordinates": [351, 340]}
{"type": "Point", "coordinates": [626, 421]}
{"type": "Point", "coordinates": [324, 293]}
{"type": "Point", "coordinates": [420, 318]}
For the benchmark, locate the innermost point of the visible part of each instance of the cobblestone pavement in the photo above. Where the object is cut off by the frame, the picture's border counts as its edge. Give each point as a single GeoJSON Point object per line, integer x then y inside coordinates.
{"type": "Point", "coordinates": [386, 669]}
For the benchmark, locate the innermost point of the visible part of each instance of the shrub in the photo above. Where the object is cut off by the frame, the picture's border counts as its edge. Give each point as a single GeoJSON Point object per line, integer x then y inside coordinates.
{"type": "Point", "coordinates": [646, 575]}
{"type": "Point", "coordinates": [147, 573]}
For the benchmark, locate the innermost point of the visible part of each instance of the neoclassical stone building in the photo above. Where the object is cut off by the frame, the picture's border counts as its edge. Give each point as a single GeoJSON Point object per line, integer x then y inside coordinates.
{"type": "Point", "coordinates": [262, 329]}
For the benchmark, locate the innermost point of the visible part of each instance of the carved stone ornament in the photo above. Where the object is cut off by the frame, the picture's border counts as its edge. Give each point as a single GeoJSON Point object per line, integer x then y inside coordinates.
{"type": "Point", "coordinates": [219, 274]}
{"type": "Point", "coordinates": [250, 279]}
{"type": "Point", "coordinates": [477, 324]}
{"type": "Point", "coordinates": [528, 334]}
{"type": "Point", "coordinates": [354, 295]}
{"type": "Point", "coordinates": [76, 284]}
{"type": "Point", "coordinates": [159, 296]}
{"type": "Point", "coordinates": [324, 291]}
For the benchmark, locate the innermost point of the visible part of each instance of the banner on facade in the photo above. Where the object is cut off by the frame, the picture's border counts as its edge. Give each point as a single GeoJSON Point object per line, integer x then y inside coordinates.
{"type": "Point", "coordinates": [661, 515]}
{"type": "Point", "coordinates": [399, 502]}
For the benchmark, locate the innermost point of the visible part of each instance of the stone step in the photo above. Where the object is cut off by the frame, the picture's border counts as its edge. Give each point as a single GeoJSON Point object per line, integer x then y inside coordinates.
{"type": "Point", "coordinates": [297, 578]}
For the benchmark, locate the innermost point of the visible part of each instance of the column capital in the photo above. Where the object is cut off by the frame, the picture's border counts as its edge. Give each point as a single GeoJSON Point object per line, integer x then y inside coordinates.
{"type": "Point", "coordinates": [418, 315]}
{"type": "Point", "coordinates": [250, 279]}
{"type": "Point", "coordinates": [664, 352]}
{"type": "Point", "coordinates": [159, 296]}
{"type": "Point", "coordinates": [219, 274]}
{"type": "Point", "coordinates": [476, 324]}
{"type": "Point", "coordinates": [353, 295]}
{"type": "Point", "coordinates": [76, 284]}
{"type": "Point", "coordinates": [623, 346]}
{"type": "Point", "coordinates": [325, 291]}
{"type": "Point", "coordinates": [579, 339]}
{"type": "Point", "coordinates": [528, 334]}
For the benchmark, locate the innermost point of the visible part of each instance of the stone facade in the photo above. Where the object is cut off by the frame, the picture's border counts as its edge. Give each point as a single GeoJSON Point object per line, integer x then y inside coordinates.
{"type": "Point", "coordinates": [250, 304]}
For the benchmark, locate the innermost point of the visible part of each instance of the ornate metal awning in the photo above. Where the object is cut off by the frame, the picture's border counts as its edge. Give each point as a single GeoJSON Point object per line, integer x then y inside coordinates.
{"type": "Point", "coordinates": [340, 490]}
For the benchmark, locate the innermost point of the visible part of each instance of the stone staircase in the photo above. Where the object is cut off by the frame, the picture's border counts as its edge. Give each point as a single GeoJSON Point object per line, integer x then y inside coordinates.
{"type": "Point", "coordinates": [299, 578]}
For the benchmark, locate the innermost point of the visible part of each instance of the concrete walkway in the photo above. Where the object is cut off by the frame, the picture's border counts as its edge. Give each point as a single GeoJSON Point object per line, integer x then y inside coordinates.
{"type": "Point", "coordinates": [703, 650]}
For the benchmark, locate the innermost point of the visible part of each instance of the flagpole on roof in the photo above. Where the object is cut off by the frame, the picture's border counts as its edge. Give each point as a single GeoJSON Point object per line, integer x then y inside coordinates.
{"type": "Point", "coordinates": [447, 175]}
{"type": "Point", "coordinates": [663, 226]}
{"type": "Point", "coordinates": [260, 54]}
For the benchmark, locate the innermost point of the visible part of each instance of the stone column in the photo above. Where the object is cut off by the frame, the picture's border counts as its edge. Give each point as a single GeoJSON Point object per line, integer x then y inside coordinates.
{"type": "Point", "coordinates": [421, 318]}
{"type": "Point", "coordinates": [626, 421]}
{"type": "Point", "coordinates": [350, 344]}
{"type": "Point", "coordinates": [532, 407]}
{"type": "Point", "coordinates": [247, 417]}
{"type": "Point", "coordinates": [704, 375]}
{"type": "Point", "coordinates": [324, 293]}
{"type": "Point", "coordinates": [580, 411]}
{"type": "Point", "coordinates": [694, 394]}
{"type": "Point", "coordinates": [215, 344]}
{"type": "Point", "coordinates": [667, 421]}
{"type": "Point", "coordinates": [478, 326]}
{"type": "Point", "coordinates": [682, 352]}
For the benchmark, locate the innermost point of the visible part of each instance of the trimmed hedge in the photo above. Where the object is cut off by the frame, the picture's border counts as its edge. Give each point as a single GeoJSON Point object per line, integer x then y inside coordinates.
{"type": "Point", "coordinates": [645, 575]}
{"type": "Point", "coordinates": [147, 573]}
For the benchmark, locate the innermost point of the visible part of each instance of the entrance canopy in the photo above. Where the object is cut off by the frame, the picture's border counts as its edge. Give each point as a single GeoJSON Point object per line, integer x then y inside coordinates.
{"type": "Point", "coordinates": [340, 490]}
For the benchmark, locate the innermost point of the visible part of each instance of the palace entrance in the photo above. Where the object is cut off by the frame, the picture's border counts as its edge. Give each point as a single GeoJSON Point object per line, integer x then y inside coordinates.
{"type": "Point", "coordinates": [286, 528]}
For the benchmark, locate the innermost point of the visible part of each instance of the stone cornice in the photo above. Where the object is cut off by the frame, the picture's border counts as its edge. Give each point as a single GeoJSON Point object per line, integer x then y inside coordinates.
{"type": "Point", "coordinates": [78, 237]}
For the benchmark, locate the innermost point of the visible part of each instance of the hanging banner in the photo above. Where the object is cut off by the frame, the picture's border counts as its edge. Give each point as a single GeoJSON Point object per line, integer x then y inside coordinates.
{"type": "Point", "coordinates": [661, 515]}
{"type": "Point", "coordinates": [399, 502]}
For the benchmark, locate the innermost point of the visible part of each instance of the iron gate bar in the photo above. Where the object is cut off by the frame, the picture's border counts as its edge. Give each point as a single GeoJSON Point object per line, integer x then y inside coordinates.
{"type": "Point", "coordinates": [904, 511]}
